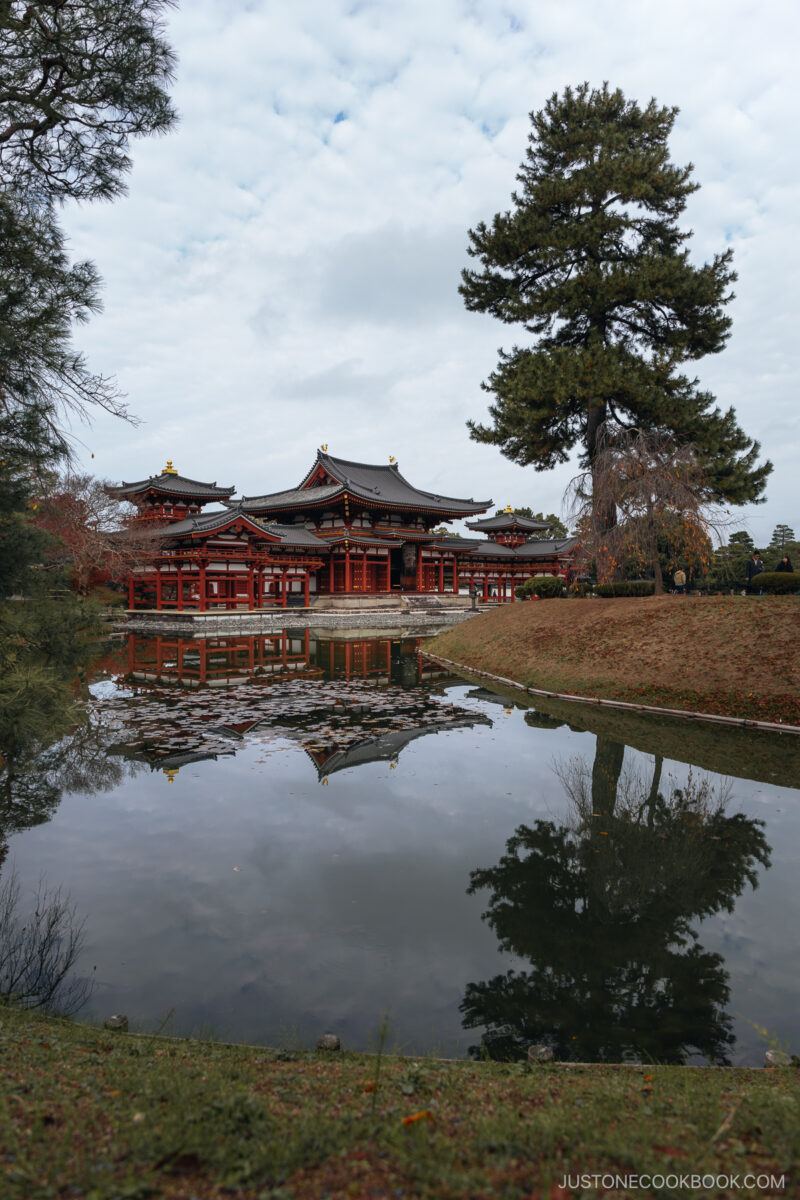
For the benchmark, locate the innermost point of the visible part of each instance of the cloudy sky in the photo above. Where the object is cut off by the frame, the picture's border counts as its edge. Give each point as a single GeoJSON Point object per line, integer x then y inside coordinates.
{"type": "Point", "coordinates": [284, 271]}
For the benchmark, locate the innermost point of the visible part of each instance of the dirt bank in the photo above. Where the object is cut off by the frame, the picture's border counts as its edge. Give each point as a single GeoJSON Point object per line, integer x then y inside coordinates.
{"type": "Point", "coordinates": [733, 655]}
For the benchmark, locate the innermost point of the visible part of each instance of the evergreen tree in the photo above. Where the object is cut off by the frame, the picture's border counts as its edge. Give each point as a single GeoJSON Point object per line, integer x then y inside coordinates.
{"type": "Point", "coordinates": [728, 567]}
{"type": "Point", "coordinates": [41, 297]}
{"type": "Point", "coordinates": [783, 541]}
{"type": "Point", "coordinates": [781, 537]}
{"type": "Point", "coordinates": [591, 261]}
{"type": "Point", "coordinates": [78, 80]}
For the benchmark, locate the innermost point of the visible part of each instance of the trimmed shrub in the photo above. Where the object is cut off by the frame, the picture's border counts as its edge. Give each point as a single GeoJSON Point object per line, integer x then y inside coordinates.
{"type": "Point", "coordinates": [546, 587]}
{"type": "Point", "coordinates": [777, 582]}
{"type": "Point", "coordinates": [627, 587]}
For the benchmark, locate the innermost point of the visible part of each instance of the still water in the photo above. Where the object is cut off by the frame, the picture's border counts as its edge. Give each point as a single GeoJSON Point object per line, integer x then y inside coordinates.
{"type": "Point", "coordinates": [272, 838]}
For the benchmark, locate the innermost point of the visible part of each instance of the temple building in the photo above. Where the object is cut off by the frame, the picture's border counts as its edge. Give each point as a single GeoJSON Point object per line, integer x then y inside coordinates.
{"type": "Point", "coordinates": [348, 529]}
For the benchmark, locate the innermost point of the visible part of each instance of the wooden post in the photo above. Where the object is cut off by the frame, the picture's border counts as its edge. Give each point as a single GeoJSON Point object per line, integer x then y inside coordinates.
{"type": "Point", "coordinates": [347, 577]}
{"type": "Point", "coordinates": [250, 588]}
{"type": "Point", "coordinates": [331, 574]}
{"type": "Point", "coordinates": [158, 589]}
{"type": "Point", "coordinates": [441, 573]}
{"type": "Point", "coordinates": [485, 587]}
{"type": "Point", "coordinates": [364, 571]}
{"type": "Point", "coordinates": [306, 591]}
{"type": "Point", "coordinates": [202, 596]}
{"type": "Point", "coordinates": [180, 588]}
{"type": "Point", "coordinates": [419, 566]}
{"type": "Point", "coordinates": [283, 588]}
{"type": "Point", "coordinates": [131, 592]}
{"type": "Point", "coordinates": [513, 588]}
{"type": "Point", "coordinates": [455, 574]}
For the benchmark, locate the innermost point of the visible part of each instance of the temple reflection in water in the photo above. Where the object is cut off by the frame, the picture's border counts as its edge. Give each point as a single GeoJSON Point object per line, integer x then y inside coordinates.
{"type": "Point", "coordinates": [224, 662]}
{"type": "Point", "coordinates": [344, 702]}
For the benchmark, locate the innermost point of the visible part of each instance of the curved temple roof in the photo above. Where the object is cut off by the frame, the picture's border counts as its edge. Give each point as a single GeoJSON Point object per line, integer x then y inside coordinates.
{"type": "Point", "coordinates": [172, 484]}
{"type": "Point", "coordinates": [375, 484]}
{"type": "Point", "coordinates": [507, 520]}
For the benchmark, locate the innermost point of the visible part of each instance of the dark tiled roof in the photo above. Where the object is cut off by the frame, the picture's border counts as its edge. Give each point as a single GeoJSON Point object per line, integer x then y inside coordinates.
{"type": "Point", "coordinates": [550, 549]}
{"type": "Point", "coordinates": [363, 539]}
{"type": "Point", "coordinates": [206, 523]}
{"type": "Point", "coordinates": [480, 548]}
{"type": "Point", "coordinates": [292, 535]}
{"type": "Point", "coordinates": [379, 485]}
{"type": "Point", "coordinates": [202, 523]}
{"type": "Point", "coordinates": [294, 498]}
{"type": "Point", "coordinates": [507, 521]}
{"type": "Point", "coordinates": [173, 485]}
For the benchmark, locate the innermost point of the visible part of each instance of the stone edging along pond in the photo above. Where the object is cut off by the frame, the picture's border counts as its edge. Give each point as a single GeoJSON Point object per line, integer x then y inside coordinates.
{"type": "Point", "coordinates": [686, 714]}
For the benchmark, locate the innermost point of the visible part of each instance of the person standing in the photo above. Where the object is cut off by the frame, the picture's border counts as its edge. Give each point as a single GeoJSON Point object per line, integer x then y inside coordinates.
{"type": "Point", "coordinates": [680, 581]}
{"type": "Point", "coordinates": [754, 568]}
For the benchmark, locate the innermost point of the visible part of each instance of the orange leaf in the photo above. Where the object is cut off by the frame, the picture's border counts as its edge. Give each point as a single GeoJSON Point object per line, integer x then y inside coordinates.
{"type": "Point", "coordinates": [425, 1115]}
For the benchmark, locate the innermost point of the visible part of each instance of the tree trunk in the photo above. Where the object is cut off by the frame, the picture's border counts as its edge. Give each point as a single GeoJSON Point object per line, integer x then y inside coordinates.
{"type": "Point", "coordinates": [606, 771]}
{"type": "Point", "coordinates": [655, 562]}
{"type": "Point", "coordinates": [604, 513]}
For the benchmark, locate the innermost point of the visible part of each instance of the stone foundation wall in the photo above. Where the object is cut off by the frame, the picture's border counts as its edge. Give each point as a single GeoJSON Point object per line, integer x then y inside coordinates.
{"type": "Point", "coordinates": [230, 624]}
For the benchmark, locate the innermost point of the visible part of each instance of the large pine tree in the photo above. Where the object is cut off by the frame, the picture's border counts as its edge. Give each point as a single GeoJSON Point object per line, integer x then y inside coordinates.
{"type": "Point", "coordinates": [591, 261]}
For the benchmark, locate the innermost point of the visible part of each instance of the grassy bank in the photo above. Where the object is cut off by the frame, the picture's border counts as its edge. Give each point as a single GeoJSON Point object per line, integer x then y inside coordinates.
{"type": "Point", "coordinates": [87, 1113]}
{"type": "Point", "coordinates": [733, 655]}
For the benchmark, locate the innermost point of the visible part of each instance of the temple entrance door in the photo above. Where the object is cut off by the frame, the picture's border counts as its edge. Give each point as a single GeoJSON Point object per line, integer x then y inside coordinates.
{"type": "Point", "coordinates": [396, 567]}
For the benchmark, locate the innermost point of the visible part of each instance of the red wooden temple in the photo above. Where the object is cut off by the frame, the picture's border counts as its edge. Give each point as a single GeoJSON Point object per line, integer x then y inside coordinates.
{"type": "Point", "coordinates": [348, 529]}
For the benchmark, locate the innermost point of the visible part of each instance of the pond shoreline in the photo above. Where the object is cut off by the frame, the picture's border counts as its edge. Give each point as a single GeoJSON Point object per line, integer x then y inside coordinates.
{"type": "Point", "coordinates": [625, 706]}
{"type": "Point", "coordinates": [700, 658]}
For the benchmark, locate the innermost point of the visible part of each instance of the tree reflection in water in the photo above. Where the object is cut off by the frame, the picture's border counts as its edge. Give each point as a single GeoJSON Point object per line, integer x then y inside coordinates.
{"type": "Point", "coordinates": [601, 905]}
{"type": "Point", "coordinates": [49, 746]}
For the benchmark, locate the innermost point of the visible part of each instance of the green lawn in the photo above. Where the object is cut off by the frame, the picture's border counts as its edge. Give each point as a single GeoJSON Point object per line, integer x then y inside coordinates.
{"type": "Point", "coordinates": [88, 1113]}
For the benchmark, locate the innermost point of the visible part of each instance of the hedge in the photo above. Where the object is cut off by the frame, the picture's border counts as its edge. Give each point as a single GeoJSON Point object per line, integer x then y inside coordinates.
{"type": "Point", "coordinates": [777, 582]}
{"type": "Point", "coordinates": [546, 587]}
{"type": "Point", "coordinates": [629, 587]}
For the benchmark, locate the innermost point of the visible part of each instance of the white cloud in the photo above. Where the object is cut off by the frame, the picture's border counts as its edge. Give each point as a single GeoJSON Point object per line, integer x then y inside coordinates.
{"type": "Point", "coordinates": [278, 278]}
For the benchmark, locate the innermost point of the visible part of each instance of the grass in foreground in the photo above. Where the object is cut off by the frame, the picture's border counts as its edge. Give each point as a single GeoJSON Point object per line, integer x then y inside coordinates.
{"type": "Point", "coordinates": [731, 655]}
{"type": "Point", "coordinates": [88, 1113]}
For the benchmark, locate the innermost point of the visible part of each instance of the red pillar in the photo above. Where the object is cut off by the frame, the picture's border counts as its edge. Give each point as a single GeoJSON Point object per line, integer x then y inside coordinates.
{"type": "Point", "coordinates": [331, 575]}
{"type": "Point", "coordinates": [131, 593]}
{"type": "Point", "coordinates": [419, 568]}
{"type": "Point", "coordinates": [158, 588]}
{"type": "Point", "coordinates": [455, 574]}
{"type": "Point", "coordinates": [202, 598]}
{"type": "Point", "coordinates": [283, 588]}
{"type": "Point", "coordinates": [364, 572]}
{"type": "Point", "coordinates": [485, 588]}
{"type": "Point", "coordinates": [306, 595]}
{"type": "Point", "coordinates": [180, 589]}
{"type": "Point", "coordinates": [513, 588]}
{"type": "Point", "coordinates": [347, 578]}
{"type": "Point", "coordinates": [250, 589]}
{"type": "Point", "coordinates": [441, 573]}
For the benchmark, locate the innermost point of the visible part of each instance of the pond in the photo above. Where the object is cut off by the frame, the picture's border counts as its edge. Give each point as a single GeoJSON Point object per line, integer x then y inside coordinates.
{"type": "Point", "coordinates": [271, 838]}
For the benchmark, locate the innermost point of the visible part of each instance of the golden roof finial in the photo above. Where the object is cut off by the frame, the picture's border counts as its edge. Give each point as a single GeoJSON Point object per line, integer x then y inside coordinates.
{"type": "Point", "coordinates": [170, 773]}
{"type": "Point", "coordinates": [324, 447]}
{"type": "Point", "coordinates": [392, 458]}
{"type": "Point", "coordinates": [169, 469]}
{"type": "Point", "coordinates": [508, 509]}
